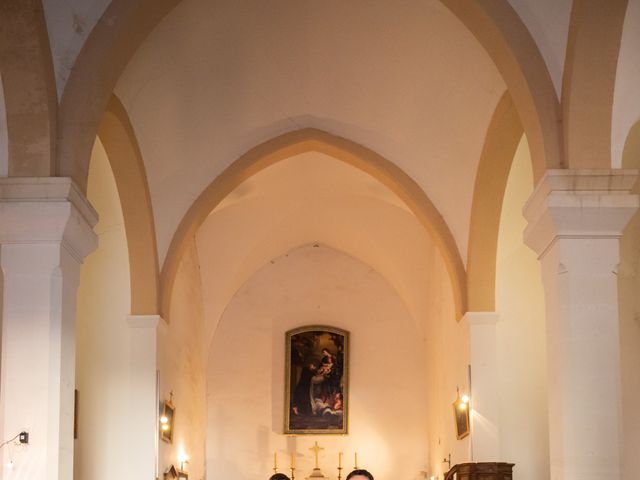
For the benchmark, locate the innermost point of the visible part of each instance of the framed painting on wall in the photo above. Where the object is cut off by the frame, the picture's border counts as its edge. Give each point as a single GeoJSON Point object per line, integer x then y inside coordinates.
{"type": "Point", "coordinates": [316, 380]}
{"type": "Point", "coordinates": [167, 419]}
{"type": "Point", "coordinates": [461, 417]}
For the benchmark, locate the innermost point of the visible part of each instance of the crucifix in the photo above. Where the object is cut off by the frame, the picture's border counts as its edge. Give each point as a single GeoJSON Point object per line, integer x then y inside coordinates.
{"type": "Point", "coordinates": [316, 450]}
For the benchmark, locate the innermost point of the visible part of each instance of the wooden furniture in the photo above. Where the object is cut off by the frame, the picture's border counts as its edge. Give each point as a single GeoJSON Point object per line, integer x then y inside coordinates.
{"type": "Point", "coordinates": [481, 471]}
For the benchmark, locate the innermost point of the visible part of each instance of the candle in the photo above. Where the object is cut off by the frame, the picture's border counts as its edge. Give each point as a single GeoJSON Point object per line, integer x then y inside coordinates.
{"type": "Point", "coordinates": [293, 460]}
{"type": "Point", "coordinates": [340, 460]}
{"type": "Point", "coordinates": [356, 460]}
{"type": "Point", "coordinates": [275, 461]}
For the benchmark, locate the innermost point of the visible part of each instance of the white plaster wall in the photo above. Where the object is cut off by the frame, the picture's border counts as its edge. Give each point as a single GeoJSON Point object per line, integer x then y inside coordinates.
{"type": "Point", "coordinates": [520, 334]}
{"type": "Point", "coordinates": [626, 100]}
{"type": "Point", "coordinates": [316, 285]}
{"type": "Point", "coordinates": [548, 22]}
{"type": "Point", "coordinates": [102, 355]}
{"type": "Point", "coordinates": [69, 23]}
{"type": "Point", "coordinates": [214, 79]}
{"type": "Point", "coordinates": [181, 362]}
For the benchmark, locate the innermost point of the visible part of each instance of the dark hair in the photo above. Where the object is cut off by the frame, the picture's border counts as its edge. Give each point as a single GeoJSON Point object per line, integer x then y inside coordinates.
{"type": "Point", "coordinates": [279, 476]}
{"type": "Point", "coordinates": [364, 473]}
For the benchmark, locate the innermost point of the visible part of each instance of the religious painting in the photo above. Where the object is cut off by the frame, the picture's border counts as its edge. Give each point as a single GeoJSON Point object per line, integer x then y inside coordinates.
{"type": "Point", "coordinates": [461, 416]}
{"type": "Point", "coordinates": [167, 417]}
{"type": "Point", "coordinates": [317, 368]}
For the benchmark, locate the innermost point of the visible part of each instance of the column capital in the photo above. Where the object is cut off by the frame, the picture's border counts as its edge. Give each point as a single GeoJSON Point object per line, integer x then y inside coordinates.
{"type": "Point", "coordinates": [580, 204]}
{"type": "Point", "coordinates": [47, 210]}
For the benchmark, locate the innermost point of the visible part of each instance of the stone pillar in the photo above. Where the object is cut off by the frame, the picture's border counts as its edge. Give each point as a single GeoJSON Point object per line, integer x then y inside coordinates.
{"type": "Point", "coordinates": [45, 233]}
{"type": "Point", "coordinates": [576, 218]}
{"type": "Point", "coordinates": [485, 431]}
{"type": "Point", "coordinates": [143, 434]}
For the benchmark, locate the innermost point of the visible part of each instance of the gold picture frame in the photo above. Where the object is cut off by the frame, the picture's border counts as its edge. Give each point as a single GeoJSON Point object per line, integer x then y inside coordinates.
{"type": "Point", "coordinates": [316, 381]}
{"type": "Point", "coordinates": [167, 421]}
{"type": "Point", "coordinates": [461, 418]}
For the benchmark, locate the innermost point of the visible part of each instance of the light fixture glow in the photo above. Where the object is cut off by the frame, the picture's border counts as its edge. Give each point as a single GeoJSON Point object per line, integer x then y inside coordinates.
{"type": "Point", "coordinates": [165, 427]}
{"type": "Point", "coordinates": [465, 399]}
{"type": "Point", "coordinates": [164, 419]}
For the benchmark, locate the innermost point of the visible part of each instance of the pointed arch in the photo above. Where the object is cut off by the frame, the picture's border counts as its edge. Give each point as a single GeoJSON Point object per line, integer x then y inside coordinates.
{"type": "Point", "coordinates": [298, 142]}
{"type": "Point", "coordinates": [503, 136]}
{"type": "Point", "coordinates": [588, 84]}
{"type": "Point", "coordinates": [29, 88]}
{"type": "Point", "coordinates": [119, 141]}
{"type": "Point", "coordinates": [510, 45]}
{"type": "Point", "coordinates": [126, 23]}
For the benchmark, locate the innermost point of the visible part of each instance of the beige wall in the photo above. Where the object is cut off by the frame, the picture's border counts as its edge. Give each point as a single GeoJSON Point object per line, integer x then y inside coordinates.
{"type": "Point", "coordinates": [181, 364]}
{"type": "Point", "coordinates": [629, 311]}
{"type": "Point", "coordinates": [4, 139]}
{"type": "Point", "coordinates": [521, 334]}
{"type": "Point", "coordinates": [307, 286]}
{"type": "Point", "coordinates": [102, 365]}
{"type": "Point", "coordinates": [447, 362]}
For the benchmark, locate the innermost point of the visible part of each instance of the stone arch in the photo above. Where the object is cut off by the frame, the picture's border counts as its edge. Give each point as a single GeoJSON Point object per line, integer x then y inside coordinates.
{"type": "Point", "coordinates": [29, 89]}
{"type": "Point", "coordinates": [595, 33]}
{"type": "Point", "coordinates": [126, 23]}
{"type": "Point", "coordinates": [508, 42]}
{"type": "Point", "coordinates": [503, 136]}
{"type": "Point", "coordinates": [119, 141]}
{"type": "Point", "coordinates": [631, 152]}
{"type": "Point", "coordinates": [295, 143]}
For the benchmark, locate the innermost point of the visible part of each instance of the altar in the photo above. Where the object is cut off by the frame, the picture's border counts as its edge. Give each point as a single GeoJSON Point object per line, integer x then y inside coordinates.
{"type": "Point", "coordinates": [317, 472]}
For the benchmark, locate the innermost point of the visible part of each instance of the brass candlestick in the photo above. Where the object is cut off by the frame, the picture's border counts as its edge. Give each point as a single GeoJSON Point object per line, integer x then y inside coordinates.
{"type": "Point", "coordinates": [293, 472]}
{"type": "Point", "coordinates": [339, 473]}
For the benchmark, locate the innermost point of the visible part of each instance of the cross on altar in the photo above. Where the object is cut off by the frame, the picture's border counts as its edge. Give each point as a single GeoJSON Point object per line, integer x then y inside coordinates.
{"type": "Point", "coordinates": [316, 449]}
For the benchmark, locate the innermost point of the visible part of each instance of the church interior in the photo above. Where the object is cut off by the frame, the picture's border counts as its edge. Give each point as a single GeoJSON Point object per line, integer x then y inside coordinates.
{"type": "Point", "coordinates": [248, 237]}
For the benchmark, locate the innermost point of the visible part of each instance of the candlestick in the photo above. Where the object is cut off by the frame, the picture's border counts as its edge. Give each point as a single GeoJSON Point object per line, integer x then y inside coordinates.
{"type": "Point", "coordinates": [293, 460]}
{"type": "Point", "coordinates": [340, 460]}
{"type": "Point", "coordinates": [355, 455]}
{"type": "Point", "coordinates": [275, 462]}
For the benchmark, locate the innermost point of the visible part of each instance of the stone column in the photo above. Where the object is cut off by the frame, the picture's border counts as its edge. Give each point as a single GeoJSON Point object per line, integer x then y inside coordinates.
{"type": "Point", "coordinates": [485, 431]}
{"type": "Point", "coordinates": [576, 218]}
{"type": "Point", "coordinates": [45, 233]}
{"type": "Point", "coordinates": [143, 433]}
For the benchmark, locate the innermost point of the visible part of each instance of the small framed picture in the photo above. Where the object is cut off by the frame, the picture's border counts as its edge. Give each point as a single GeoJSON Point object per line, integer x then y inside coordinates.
{"type": "Point", "coordinates": [167, 419]}
{"type": "Point", "coordinates": [461, 417]}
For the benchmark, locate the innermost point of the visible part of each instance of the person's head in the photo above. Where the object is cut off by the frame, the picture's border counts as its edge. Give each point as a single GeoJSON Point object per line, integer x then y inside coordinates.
{"type": "Point", "coordinates": [279, 476]}
{"type": "Point", "coordinates": [359, 475]}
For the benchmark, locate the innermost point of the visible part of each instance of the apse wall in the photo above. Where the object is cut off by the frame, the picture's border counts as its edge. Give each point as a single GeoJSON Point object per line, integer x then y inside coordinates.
{"type": "Point", "coordinates": [521, 334]}
{"type": "Point", "coordinates": [102, 352]}
{"type": "Point", "coordinates": [316, 285]}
